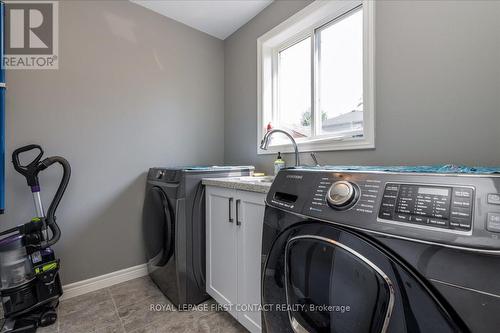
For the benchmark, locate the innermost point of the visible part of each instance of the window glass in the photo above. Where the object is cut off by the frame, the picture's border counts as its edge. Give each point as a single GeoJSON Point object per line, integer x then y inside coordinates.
{"type": "Point", "coordinates": [317, 79]}
{"type": "Point", "coordinates": [340, 61]}
{"type": "Point", "coordinates": [294, 89]}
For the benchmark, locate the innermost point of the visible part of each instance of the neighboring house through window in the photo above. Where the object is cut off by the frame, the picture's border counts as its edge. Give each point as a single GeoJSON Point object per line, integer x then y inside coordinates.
{"type": "Point", "coordinates": [316, 78]}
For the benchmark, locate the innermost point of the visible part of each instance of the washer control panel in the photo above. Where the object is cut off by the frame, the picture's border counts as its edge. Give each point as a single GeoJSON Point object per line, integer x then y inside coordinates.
{"type": "Point", "coordinates": [428, 205]}
{"type": "Point", "coordinates": [458, 210]}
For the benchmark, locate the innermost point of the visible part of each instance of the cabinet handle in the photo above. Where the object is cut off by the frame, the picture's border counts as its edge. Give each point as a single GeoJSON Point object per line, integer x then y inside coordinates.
{"type": "Point", "coordinates": [238, 222]}
{"type": "Point", "coordinates": [230, 210]}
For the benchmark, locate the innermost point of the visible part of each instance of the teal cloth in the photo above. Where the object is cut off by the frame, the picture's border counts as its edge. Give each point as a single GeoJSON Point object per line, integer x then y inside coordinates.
{"type": "Point", "coordinates": [448, 168]}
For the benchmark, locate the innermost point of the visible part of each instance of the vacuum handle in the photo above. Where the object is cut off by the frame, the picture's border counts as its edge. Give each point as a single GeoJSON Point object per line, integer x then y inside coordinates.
{"type": "Point", "coordinates": [31, 170]}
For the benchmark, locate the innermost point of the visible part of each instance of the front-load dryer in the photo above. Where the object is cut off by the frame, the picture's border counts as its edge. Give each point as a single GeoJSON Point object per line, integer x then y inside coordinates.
{"type": "Point", "coordinates": [381, 250]}
{"type": "Point", "coordinates": [173, 227]}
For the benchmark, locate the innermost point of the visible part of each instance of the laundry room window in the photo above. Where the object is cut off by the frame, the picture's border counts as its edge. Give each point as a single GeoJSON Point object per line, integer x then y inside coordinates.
{"type": "Point", "coordinates": [316, 78]}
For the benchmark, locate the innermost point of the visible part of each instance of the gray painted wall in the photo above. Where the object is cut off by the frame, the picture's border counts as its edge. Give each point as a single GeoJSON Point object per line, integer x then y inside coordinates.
{"type": "Point", "coordinates": [437, 85]}
{"type": "Point", "coordinates": [134, 90]}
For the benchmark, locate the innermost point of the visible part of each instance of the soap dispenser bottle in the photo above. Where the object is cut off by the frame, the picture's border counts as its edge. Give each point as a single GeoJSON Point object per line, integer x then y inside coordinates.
{"type": "Point", "coordinates": [279, 164]}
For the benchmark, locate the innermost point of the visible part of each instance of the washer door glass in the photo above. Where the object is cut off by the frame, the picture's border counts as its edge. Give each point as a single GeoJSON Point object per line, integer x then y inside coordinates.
{"type": "Point", "coordinates": [158, 227]}
{"type": "Point", "coordinates": [324, 280]}
{"type": "Point", "coordinates": [336, 280]}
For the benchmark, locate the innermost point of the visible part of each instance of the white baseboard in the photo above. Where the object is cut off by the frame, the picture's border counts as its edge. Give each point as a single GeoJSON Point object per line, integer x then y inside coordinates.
{"type": "Point", "coordinates": [103, 281]}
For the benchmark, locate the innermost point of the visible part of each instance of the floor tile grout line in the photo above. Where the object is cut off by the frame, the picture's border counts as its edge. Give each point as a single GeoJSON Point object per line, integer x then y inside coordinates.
{"type": "Point", "coordinates": [137, 302]}
{"type": "Point", "coordinates": [148, 324]}
{"type": "Point", "coordinates": [133, 303]}
{"type": "Point", "coordinates": [116, 309]}
{"type": "Point", "coordinates": [141, 300]}
{"type": "Point", "coordinates": [72, 313]}
{"type": "Point", "coordinates": [126, 305]}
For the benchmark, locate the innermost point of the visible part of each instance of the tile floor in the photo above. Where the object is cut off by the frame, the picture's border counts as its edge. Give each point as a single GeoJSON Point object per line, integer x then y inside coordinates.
{"type": "Point", "coordinates": [125, 308]}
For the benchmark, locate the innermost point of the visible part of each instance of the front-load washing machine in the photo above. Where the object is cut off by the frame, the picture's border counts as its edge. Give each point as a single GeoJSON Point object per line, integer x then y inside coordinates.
{"type": "Point", "coordinates": [351, 249]}
{"type": "Point", "coordinates": [173, 227]}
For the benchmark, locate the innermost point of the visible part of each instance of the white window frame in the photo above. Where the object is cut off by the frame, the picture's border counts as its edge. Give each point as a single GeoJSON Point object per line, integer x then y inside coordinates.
{"type": "Point", "coordinates": [296, 28]}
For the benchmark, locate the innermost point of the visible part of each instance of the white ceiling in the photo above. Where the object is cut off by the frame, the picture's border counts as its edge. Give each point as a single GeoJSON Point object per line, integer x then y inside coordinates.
{"type": "Point", "coordinates": [219, 18]}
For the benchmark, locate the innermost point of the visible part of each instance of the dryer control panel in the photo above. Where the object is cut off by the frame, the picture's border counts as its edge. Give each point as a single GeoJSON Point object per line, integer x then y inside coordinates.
{"type": "Point", "coordinates": [430, 205]}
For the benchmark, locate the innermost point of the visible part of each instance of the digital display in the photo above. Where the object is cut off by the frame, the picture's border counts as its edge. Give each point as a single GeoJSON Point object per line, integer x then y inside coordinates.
{"type": "Point", "coordinates": [428, 205]}
{"type": "Point", "coordinates": [433, 191]}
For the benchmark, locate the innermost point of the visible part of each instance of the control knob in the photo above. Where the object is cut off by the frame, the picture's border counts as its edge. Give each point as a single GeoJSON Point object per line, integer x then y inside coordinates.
{"type": "Point", "coordinates": [342, 195]}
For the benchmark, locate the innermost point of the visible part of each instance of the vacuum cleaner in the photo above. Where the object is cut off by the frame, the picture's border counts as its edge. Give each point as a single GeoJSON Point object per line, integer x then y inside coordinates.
{"type": "Point", "coordinates": [30, 286]}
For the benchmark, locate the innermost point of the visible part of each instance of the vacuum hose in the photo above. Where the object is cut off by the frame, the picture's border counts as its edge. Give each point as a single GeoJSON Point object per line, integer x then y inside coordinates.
{"type": "Point", "coordinates": [51, 213]}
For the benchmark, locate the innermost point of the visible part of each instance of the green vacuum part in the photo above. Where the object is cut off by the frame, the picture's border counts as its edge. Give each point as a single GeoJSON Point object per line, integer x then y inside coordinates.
{"type": "Point", "coordinates": [46, 267]}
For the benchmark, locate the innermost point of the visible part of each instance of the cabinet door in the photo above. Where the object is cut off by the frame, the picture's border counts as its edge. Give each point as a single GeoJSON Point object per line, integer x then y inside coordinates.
{"type": "Point", "coordinates": [221, 246]}
{"type": "Point", "coordinates": [250, 217]}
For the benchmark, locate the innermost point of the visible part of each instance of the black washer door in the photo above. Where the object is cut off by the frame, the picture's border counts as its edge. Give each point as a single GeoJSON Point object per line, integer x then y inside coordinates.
{"type": "Point", "coordinates": [158, 227]}
{"type": "Point", "coordinates": [335, 281]}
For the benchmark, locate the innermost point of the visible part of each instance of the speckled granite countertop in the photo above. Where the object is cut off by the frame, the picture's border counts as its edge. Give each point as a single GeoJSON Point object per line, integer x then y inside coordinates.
{"type": "Point", "coordinates": [252, 184]}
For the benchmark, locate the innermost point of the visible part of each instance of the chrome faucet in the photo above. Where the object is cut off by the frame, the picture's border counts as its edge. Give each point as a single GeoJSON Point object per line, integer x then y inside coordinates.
{"type": "Point", "coordinates": [265, 142]}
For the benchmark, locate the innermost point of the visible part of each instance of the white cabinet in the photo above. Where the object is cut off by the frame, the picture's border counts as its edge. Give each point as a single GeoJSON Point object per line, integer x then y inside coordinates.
{"type": "Point", "coordinates": [249, 241]}
{"type": "Point", "coordinates": [234, 238]}
{"type": "Point", "coordinates": [222, 261]}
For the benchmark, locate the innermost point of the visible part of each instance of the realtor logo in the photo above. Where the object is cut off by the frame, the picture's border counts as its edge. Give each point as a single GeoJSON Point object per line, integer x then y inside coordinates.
{"type": "Point", "coordinates": [31, 35]}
